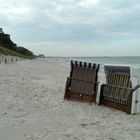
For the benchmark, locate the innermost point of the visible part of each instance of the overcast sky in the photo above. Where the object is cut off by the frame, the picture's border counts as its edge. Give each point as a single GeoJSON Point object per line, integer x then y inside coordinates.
{"type": "Point", "coordinates": [74, 27]}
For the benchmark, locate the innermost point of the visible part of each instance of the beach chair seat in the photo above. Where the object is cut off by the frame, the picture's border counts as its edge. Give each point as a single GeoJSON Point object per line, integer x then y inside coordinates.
{"type": "Point", "coordinates": [117, 92]}
{"type": "Point", "coordinates": [82, 84]}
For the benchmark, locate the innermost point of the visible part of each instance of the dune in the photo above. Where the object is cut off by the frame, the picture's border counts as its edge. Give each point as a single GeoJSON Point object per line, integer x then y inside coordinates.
{"type": "Point", "coordinates": [32, 107]}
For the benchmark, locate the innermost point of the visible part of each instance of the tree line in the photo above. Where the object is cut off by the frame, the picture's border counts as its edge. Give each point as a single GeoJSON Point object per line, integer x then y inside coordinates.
{"type": "Point", "coordinates": [6, 42]}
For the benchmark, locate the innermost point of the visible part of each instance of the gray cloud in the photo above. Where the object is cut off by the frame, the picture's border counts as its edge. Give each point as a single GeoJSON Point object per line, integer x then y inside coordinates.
{"type": "Point", "coordinates": [98, 22]}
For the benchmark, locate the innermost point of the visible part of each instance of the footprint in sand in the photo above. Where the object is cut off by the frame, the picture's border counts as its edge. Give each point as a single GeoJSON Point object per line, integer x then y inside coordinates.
{"type": "Point", "coordinates": [83, 124]}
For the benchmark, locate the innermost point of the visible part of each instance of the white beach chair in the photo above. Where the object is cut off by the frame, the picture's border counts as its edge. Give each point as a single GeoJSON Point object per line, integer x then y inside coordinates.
{"type": "Point", "coordinates": [121, 90]}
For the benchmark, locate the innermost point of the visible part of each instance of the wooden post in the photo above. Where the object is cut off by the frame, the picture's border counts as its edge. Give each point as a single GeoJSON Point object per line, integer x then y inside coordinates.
{"type": "Point", "coordinates": [5, 61]}
{"type": "Point", "coordinates": [129, 103]}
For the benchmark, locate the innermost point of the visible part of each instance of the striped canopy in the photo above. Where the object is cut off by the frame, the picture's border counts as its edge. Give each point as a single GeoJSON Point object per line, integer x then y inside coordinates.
{"type": "Point", "coordinates": [119, 69]}
{"type": "Point", "coordinates": [84, 64]}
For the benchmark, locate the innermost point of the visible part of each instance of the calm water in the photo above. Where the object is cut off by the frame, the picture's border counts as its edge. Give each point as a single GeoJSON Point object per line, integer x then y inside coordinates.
{"type": "Point", "coordinates": [132, 61]}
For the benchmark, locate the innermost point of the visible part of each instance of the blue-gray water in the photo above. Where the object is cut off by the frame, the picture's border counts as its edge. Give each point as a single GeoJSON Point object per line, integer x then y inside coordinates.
{"type": "Point", "coordinates": [132, 61]}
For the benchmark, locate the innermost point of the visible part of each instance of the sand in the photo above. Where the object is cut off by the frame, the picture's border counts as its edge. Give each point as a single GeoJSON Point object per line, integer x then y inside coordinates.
{"type": "Point", "coordinates": [32, 107]}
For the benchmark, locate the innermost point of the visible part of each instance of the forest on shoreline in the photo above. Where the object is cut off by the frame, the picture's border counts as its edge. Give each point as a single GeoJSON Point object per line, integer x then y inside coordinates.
{"type": "Point", "coordinates": [8, 47]}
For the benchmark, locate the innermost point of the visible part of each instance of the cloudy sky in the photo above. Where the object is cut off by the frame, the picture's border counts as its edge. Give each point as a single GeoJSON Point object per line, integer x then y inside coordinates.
{"type": "Point", "coordinates": [74, 27]}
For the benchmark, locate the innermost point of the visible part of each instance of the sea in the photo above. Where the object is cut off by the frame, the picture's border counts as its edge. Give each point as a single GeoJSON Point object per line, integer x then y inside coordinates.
{"type": "Point", "coordinates": [132, 61]}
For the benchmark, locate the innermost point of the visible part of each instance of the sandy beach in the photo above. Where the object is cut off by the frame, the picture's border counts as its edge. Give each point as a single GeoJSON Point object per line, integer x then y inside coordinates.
{"type": "Point", "coordinates": [32, 107]}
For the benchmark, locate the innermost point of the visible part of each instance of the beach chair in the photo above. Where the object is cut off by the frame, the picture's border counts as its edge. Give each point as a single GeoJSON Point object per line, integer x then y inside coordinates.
{"type": "Point", "coordinates": [82, 85]}
{"type": "Point", "coordinates": [118, 91]}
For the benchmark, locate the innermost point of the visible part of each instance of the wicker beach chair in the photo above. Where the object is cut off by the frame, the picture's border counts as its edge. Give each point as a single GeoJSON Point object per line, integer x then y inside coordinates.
{"type": "Point", "coordinates": [117, 92]}
{"type": "Point", "coordinates": [82, 84]}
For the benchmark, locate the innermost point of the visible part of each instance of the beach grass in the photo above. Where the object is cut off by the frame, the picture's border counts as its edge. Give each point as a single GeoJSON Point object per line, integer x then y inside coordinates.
{"type": "Point", "coordinates": [6, 51]}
